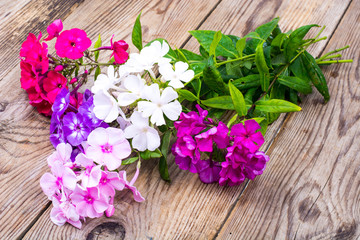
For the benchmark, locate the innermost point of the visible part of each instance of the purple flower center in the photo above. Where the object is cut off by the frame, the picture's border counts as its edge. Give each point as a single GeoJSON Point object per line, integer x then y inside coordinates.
{"type": "Point", "coordinates": [106, 148]}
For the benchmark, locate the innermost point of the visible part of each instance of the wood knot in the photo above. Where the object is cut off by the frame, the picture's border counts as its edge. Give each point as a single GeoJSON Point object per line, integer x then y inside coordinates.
{"type": "Point", "coordinates": [308, 210]}
{"type": "Point", "coordinates": [334, 74]}
{"type": "Point", "coordinates": [346, 231]}
{"type": "Point", "coordinates": [108, 230]}
{"type": "Point", "coordinates": [3, 106]}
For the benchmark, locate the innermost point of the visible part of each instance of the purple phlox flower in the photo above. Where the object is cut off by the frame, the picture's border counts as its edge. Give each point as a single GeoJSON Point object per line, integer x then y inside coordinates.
{"type": "Point", "coordinates": [191, 123]}
{"type": "Point", "coordinates": [130, 185]}
{"type": "Point", "coordinates": [64, 211]}
{"type": "Point", "coordinates": [61, 103]}
{"type": "Point", "coordinates": [91, 175]}
{"type": "Point", "coordinates": [75, 128]}
{"type": "Point", "coordinates": [185, 146]}
{"type": "Point", "coordinates": [218, 134]}
{"type": "Point", "coordinates": [184, 162]}
{"type": "Point", "coordinates": [247, 135]}
{"type": "Point", "coordinates": [61, 176]}
{"type": "Point", "coordinates": [256, 164]}
{"type": "Point", "coordinates": [88, 202]}
{"type": "Point", "coordinates": [57, 138]}
{"type": "Point", "coordinates": [86, 110]}
{"type": "Point", "coordinates": [208, 170]}
{"type": "Point", "coordinates": [62, 155]}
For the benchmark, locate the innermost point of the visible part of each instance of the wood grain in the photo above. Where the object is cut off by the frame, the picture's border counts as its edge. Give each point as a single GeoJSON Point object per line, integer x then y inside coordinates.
{"type": "Point", "coordinates": [311, 188]}
{"type": "Point", "coordinates": [186, 208]}
{"type": "Point", "coordinates": [24, 134]}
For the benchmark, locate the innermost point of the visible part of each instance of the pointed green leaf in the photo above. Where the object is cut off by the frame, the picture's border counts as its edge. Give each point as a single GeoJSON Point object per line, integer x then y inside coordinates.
{"type": "Point", "coordinates": [249, 81]}
{"type": "Point", "coordinates": [165, 146]}
{"type": "Point", "coordinates": [295, 40]}
{"type": "Point", "coordinates": [181, 56]}
{"type": "Point", "coordinates": [97, 45]}
{"type": "Point", "coordinates": [97, 72]}
{"type": "Point", "coordinates": [276, 106]}
{"type": "Point", "coordinates": [150, 154]}
{"type": "Point", "coordinates": [212, 78]}
{"type": "Point", "coordinates": [136, 33]}
{"type": "Point", "coordinates": [238, 100]}
{"type": "Point", "coordinates": [222, 102]}
{"type": "Point", "coordinates": [129, 160]}
{"type": "Point", "coordinates": [186, 94]}
{"type": "Point", "coordinates": [214, 44]}
{"type": "Point", "coordinates": [262, 67]}
{"type": "Point", "coordinates": [298, 68]}
{"type": "Point", "coordinates": [296, 84]}
{"type": "Point", "coordinates": [316, 75]}
{"type": "Point", "coordinates": [240, 46]}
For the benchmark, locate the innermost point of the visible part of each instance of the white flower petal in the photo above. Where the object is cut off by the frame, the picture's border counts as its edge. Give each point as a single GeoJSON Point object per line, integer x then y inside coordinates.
{"type": "Point", "coordinates": [131, 131]}
{"type": "Point", "coordinates": [139, 142]}
{"type": "Point", "coordinates": [126, 98]}
{"type": "Point", "coordinates": [157, 117]}
{"type": "Point", "coordinates": [147, 108]}
{"type": "Point", "coordinates": [172, 110]}
{"type": "Point", "coordinates": [176, 84]}
{"type": "Point", "coordinates": [138, 120]}
{"type": "Point", "coordinates": [152, 93]}
{"type": "Point", "coordinates": [181, 67]}
{"type": "Point", "coordinates": [152, 139]}
{"type": "Point", "coordinates": [187, 76]}
{"type": "Point", "coordinates": [168, 95]}
{"type": "Point", "coordinates": [98, 137]}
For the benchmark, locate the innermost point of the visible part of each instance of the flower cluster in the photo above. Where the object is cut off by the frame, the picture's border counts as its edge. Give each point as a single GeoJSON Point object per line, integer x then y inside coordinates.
{"type": "Point", "coordinates": [85, 187]}
{"type": "Point", "coordinates": [202, 144]}
{"type": "Point", "coordinates": [146, 103]}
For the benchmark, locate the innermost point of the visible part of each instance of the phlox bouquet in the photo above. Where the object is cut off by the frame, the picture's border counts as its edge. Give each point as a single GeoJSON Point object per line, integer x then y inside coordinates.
{"type": "Point", "coordinates": [213, 106]}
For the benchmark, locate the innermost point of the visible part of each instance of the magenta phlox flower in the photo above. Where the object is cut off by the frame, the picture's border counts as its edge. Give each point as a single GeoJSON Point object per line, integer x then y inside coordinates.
{"type": "Point", "coordinates": [120, 51]}
{"type": "Point", "coordinates": [108, 146]}
{"type": "Point", "coordinates": [61, 177]}
{"type": "Point", "coordinates": [62, 155]}
{"type": "Point", "coordinates": [191, 123]}
{"type": "Point", "coordinates": [54, 29]}
{"type": "Point", "coordinates": [88, 202]}
{"type": "Point", "coordinates": [63, 212]}
{"type": "Point", "coordinates": [130, 185]}
{"type": "Point", "coordinates": [208, 170]}
{"type": "Point", "coordinates": [230, 176]}
{"type": "Point", "coordinates": [248, 135]}
{"type": "Point", "coordinates": [237, 155]}
{"type": "Point", "coordinates": [185, 146]}
{"type": "Point", "coordinates": [184, 162]}
{"type": "Point", "coordinates": [217, 134]}
{"type": "Point", "coordinates": [72, 43]}
{"type": "Point", "coordinates": [91, 175]}
{"type": "Point", "coordinates": [256, 164]}
{"type": "Point", "coordinates": [29, 76]}
{"type": "Point", "coordinates": [75, 128]}
{"type": "Point", "coordinates": [53, 84]}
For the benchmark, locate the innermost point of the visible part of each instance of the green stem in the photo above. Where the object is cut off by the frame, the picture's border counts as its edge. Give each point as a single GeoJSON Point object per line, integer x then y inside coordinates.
{"type": "Point", "coordinates": [232, 120]}
{"type": "Point", "coordinates": [335, 51]}
{"type": "Point", "coordinates": [335, 61]}
{"type": "Point", "coordinates": [314, 41]}
{"type": "Point", "coordinates": [235, 60]}
{"type": "Point", "coordinates": [330, 57]}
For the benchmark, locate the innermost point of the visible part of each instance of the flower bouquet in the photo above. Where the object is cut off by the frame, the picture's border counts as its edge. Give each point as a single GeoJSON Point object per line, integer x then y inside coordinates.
{"type": "Point", "coordinates": [159, 95]}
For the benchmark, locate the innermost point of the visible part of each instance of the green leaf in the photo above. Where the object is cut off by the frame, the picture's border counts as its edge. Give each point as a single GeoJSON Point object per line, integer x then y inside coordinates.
{"type": "Point", "coordinates": [225, 47]}
{"type": "Point", "coordinates": [150, 154]}
{"type": "Point", "coordinates": [276, 106]}
{"type": "Point", "coordinates": [295, 40]}
{"type": "Point", "coordinates": [238, 100]}
{"type": "Point", "coordinates": [181, 56]}
{"type": "Point", "coordinates": [262, 67]}
{"type": "Point", "coordinates": [254, 35]}
{"type": "Point", "coordinates": [249, 95]}
{"type": "Point", "coordinates": [97, 72]}
{"type": "Point", "coordinates": [298, 68]}
{"type": "Point", "coordinates": [136, 34]}
{"type": "Point", "coordinates": [316, 75]}
{"type": "Point", "coordinates": [212, 78]}
{"type": "Point", "coordinates": [222, 102]}
{"type": "Point", "coordinates": [214, 44]}
{"type": "Point", "coordinates": [97, 45]}
{"type": "Point", "coordinates": [129, 160]}
{"type": "Point", "coordinates": [296, 84]}
{"type": "Point", "coordinates": [186, 94]}
{"type": "Point", "coordinates": [278, 40]}
{"type": "Point", "coordinates": [165, 146]}
{"type": "Point", "coordinates": [250, 81]}
{"type": "Point", "coordinates": [191, 56]}
{"type": "Point", "coordinates": [240, 46]}
{"type": "Point", "coordinates": [234, 68]}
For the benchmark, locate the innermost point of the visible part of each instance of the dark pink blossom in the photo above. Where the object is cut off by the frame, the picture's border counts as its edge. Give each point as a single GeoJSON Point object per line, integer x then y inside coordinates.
{"type": "Point", "coordinates": [54, 29]}
{"type": "Point", "coordinates": [53, 84]}
{"type": "Point", "coordinates": [191, 123]}
{"type": "Point", "coordinates": [218, 135]}
{"type": "Point", "coordinates": [28, 75]}
{"type": "Point", "coordinates": [72, 43]}
{"type": "Point", "coordinates": [248, 134]}
{"type": "Point", "coordinates": [208, 170]}
{"type": "Point", "coordinates": [120, 51]}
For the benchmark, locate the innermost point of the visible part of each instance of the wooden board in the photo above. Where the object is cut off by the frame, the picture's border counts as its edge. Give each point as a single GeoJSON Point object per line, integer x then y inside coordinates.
{"type": "Point", "coordinates": [186, 208]}
{"type": "Point", "coordinates": [311, 187]}
{"type": "Point", "coordinates": [24, 134]}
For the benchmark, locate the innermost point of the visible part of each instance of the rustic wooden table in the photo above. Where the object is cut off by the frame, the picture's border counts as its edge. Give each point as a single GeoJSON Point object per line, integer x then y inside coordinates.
{"type": "Point", "coordinates": [310, 189]}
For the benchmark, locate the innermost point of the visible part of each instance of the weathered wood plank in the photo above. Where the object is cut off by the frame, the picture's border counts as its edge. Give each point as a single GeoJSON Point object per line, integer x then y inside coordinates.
{"type": "Point", "coordinates": [311, 188]}
{"type": "Point", "coordinates": [186, 208]}
{"type": "Point", "coordinates": [24, 139]}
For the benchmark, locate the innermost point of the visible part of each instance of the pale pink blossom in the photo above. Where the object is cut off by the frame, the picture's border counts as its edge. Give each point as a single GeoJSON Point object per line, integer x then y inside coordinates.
{"type": "Point", "coordinates": [130, 185]}
{"type": "Point", "coordinates": [91, 176]}
{"type": "Point", "coordinates": [63, 212]}
{"type": "Point", "coordinates": [62, 155]}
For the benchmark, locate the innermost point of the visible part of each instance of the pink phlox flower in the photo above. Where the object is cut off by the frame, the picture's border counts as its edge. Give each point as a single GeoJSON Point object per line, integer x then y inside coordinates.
{"type": "Point", "coordinates": [230, 175]}
{"type": "Point", "coordinates": [185, 146]}
{"type": "Point", "coordinates": [184, 162]}
{"type": "Point", "coordinates": [28, 75]}
{"type": "Point", "coordinates": [237, 155]}
{"type": "Point", "coordinates": [72, 43]}
{"type": "Point", "coordinates": [91, 175]}
{"type": "Point", "coordinates": [120, 51]}
{"type": "Point", "coordinates": [108, 147]}
{"type": "Point", "coordinates": [64, 211]}
{"type": "Point", "coordinates": [35, 53]}
{"type": "Point", "coordinates": [61, 177]}
{"type": "Point", "coordinates": [62, 155]}
{"type": "Point", "coordinates": [109, 182]}
{"type": "Point", "coordinates": [217, 134]}
{"type": "Point", "coordinates": [54, 29]}
{"type": "Point", "coordinates": [89, 202]}
{"type": "Point", "coordinates": [248, 135]}
{"type": "Point", "coordinates": [208, 170]}
{"type": "Point", "coordinates": [130, 185]}
{"type": "Point", "coordinates": [53, 85]}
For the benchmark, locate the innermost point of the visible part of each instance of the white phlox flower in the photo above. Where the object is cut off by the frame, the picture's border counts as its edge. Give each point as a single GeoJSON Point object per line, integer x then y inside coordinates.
{"type": "Point", "coordinates": [105, 82]}
{"type": "Point", "coordinates": [143, 136]}
{"type": "Point", "coordinates": [177, 76]}
{"type": "Point", "coordinates": [106, 107]}
{"type": "Point", "coordinates": [133, 86]}
{"type": "Point", "coordinates": [160, 104]}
